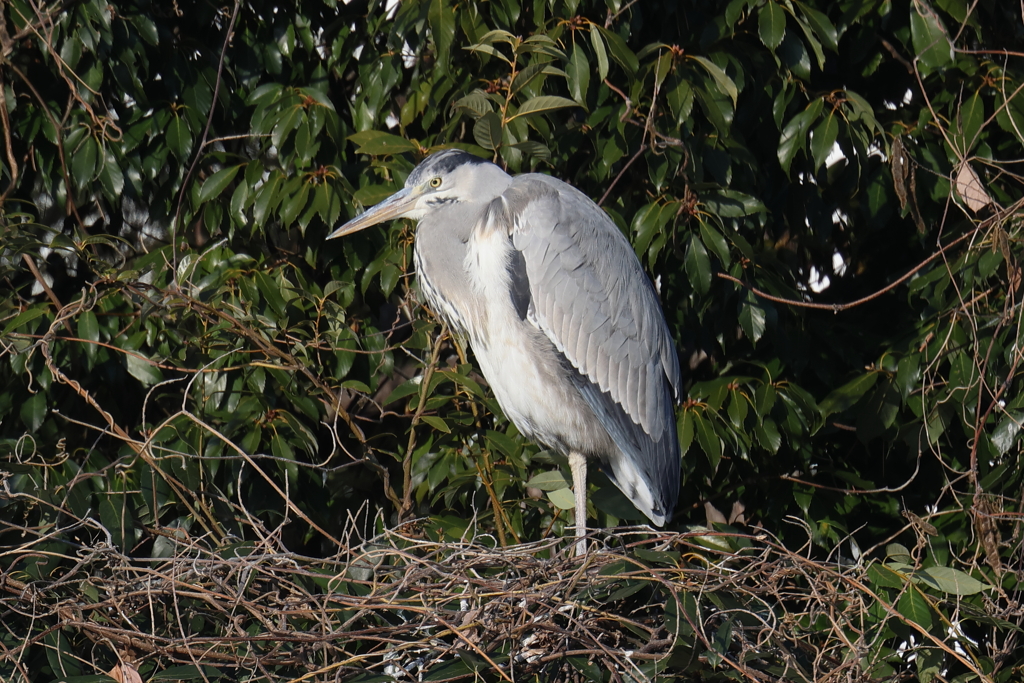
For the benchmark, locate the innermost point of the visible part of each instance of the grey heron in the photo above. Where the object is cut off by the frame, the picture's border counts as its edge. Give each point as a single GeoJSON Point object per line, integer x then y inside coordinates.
{"type": "Point", "coordinates": [564, 323]}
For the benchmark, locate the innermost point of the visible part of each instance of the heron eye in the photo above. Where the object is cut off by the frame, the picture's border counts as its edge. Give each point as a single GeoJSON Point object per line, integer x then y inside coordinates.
{"type": "Point", "coordinates": [435, 182]}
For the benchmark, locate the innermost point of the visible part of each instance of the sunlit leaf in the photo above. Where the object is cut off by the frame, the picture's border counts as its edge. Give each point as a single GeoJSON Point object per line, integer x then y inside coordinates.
{"type": "Point", "coordinates": [726, 84]}
{"type": "Point", "coordinates": [578, 73]}
{"type": "Point", "coordinates": [915, 608]}
{"type": "Point", "coordinates": [599, 51]}
{"type": "Point", "coordinates": [379, 142]}
{"type": "Point", "coordinates": [179, 137]}
{"type": "Point", "coordinates": [931, 41]}
{"type": "Point", "coordinates": [562, 498]}
{"type": "Point", "coordinates": [698, 265]}
{"type": "Point", "coordinates": [771, 24]}
{"type": "Point", "coordinates": [487, 131]}
{"type": "Point", "coordinates": [823, 137]}
{"type": "Point", "coordinates": [548, 481]}
{"type": "Point", "coordinates": [620, 51]}
{"type": "Point", "coordinates": [951, 581]}
{"type": "Point", "coordinates": [542, 104]}
{"type": "Point", "coordinates": [142, 369]}
{"type": "Point", "coordinates": [441, 17]}
{"type": "Point", "coordinates": [217, 183]}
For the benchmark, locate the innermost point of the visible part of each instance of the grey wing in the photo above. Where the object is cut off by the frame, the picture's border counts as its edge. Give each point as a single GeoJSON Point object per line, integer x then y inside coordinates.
{"type": "Point", "coordinates": [591, 297]}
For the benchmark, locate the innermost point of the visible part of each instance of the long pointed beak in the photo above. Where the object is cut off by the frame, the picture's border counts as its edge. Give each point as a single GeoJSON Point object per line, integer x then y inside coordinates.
{"type": "Point", "coordinates": [392, 207]}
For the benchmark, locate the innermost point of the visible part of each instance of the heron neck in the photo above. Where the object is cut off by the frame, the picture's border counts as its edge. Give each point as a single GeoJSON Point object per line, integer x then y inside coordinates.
{"type": "Point", "coordinates": [441, 245]}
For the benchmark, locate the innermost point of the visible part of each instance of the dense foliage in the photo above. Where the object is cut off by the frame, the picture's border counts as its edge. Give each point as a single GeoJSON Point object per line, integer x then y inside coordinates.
{"type": "Point", "coordinates": [828, 195]}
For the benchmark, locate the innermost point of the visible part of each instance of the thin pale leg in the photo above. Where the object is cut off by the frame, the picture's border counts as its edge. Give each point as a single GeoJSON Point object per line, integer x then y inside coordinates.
{"type": "Point", "coordinates": [578, 465]}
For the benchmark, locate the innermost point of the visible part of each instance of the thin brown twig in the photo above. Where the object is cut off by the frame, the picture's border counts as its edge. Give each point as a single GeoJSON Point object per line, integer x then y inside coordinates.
{"type": "Point", "coordinates": [836, 308]}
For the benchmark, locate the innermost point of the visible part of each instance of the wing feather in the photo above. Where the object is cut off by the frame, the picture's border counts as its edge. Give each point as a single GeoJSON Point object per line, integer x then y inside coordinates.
{"type": "Point", "coordinates": [590, 296]}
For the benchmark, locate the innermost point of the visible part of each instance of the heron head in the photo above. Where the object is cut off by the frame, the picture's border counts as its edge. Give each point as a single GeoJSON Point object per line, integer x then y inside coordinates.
{"type": "Point", "coordinates": [449, 176]}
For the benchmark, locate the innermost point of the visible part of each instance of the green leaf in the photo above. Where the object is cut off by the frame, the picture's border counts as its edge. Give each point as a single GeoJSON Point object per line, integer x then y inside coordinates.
{"type": "Point", "coordinates": [898, 553]}
{"type": "Point", "coordinates": [534, 149]}
{"type": "Point", "coordinates": [563, 499]}
{"type": "Point", "coordinates": [685, 431]}
{"type": "Point", "coordinates": [793, 53]}
{"type": "Point", "coordinates": [577, 72]}
{"type": "Point", "coordinates": [738, 408]}
{"type": "Point", "coordinates": [951, 581]}
{"type": "Point", "coordinates": [1005, 434]}
{"type": "Point", "coordinates": [846, 396]}
{"type": "Point", "coordinates": [111, 176]}
{"type": "Point", "coordinates": [646, 223]}
{"type": "Point", "coordinates": [475, 103]}
{"type": "Point", "coordinates": [285, 454]}
{"type": "Point", "coordinates": [289, 121]}
{"type": "Point", "coordinates": [914, 606]}
{"type": "Point", "coordinates": [142, 369]}
{"type": "Point", "coordinates": [217, 183]}
{"type": "Point", "coordinates": [441, 17]}
{"type": "Point", "coordinates": [697, 265]}
{"type": "Point", "coordinates": [590, 670]}
{"type": "Point", "coordinates": [179, 137]}
{"type": "Point", "coordinates": [239, 202]}
{"type": "Point", "coordinates": [620, 52]}
{"type": "Point", "coordinates": [931, 41]}
{"type": "Point", "coordinates": [83, 161]}
{"type": "Point", "coordinates": [265, 93]}
{"type": "Point", "coordinates": [437, 423]}
{"type": "Point", "coordinates": [271, 293]}
{"type": "Point", "coordinates": [708, 440]}
{"type": "Point", "coordinates": [930, 662]}
{"type": "Point", "coordinates": [823, 138]}
{"type": "Point", "coordinates": [971, 118]}
{"type": "Point", "coordinates": [487, 131]}
{"type": "Point", "coordinates": [599, 51]}
{"type": "Point", "coordinates": [881, 575]}
{"type": "Point", "coordinates": [489, 50]}
{"type": "Point", "coordinates": [908, 373]}
{"type": "Point", "coordinates": [267, 197]}
{"type": "Point", "coordinates": [820, 24]}
{"type": "Point", "coordinates": [89, 329]}
{"type": "Point", "coordinates": [543, 103]}
{"type": "Point", "coordinates": [752, 318]}
{"type": "Point", "coordinates": [33, 411]}
{"type": "Point", "coordinates": [25, 317]}
{"type": "Point", "coordinates": [552, 480]}
{"type": "Point", "coordinates": [764, 398]}
{"type": "Point", "coordinates": [768, 435]}
{"type": "Point", "coordinates": [1010, 115]}
{"type": "Point", "coordinates": [771, 24]}
{"type": "Point", "coordinates": [496, 36]}
{"type": "Point", "coordinates": [725, 84]}
{"type": "Point", "coordinates": [524, 77]}
{"type": "Point", "coordinates": [812, 40]}
{"type": "Point", "coordinates": [714, 241]}
{"type": "Point", "coordinates": [292, 206]}
{"type": "Point", "coordinates": [732, 204]}
{"type": "Point", "coordinates": [794, 134]}
{"type": "Point", "coordinates": [375, 142]}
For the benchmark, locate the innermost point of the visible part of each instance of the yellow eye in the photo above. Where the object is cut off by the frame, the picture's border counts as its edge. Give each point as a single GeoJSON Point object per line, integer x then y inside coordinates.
{"type": "Point", "coordinates": [435, 182]}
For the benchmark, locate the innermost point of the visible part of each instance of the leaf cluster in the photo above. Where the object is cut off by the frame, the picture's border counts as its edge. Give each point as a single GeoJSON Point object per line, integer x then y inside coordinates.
{"type": "Point", "coordinates": [827, 196]}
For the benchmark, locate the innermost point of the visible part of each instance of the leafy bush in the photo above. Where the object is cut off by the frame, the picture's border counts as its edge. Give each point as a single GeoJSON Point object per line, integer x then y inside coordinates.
{"type": "Point", "coordinates": [827, 195]}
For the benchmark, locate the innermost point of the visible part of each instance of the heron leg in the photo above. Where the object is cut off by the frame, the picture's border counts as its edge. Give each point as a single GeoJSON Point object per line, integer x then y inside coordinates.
{"type": "Point", "coordinates": [578, 465]}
